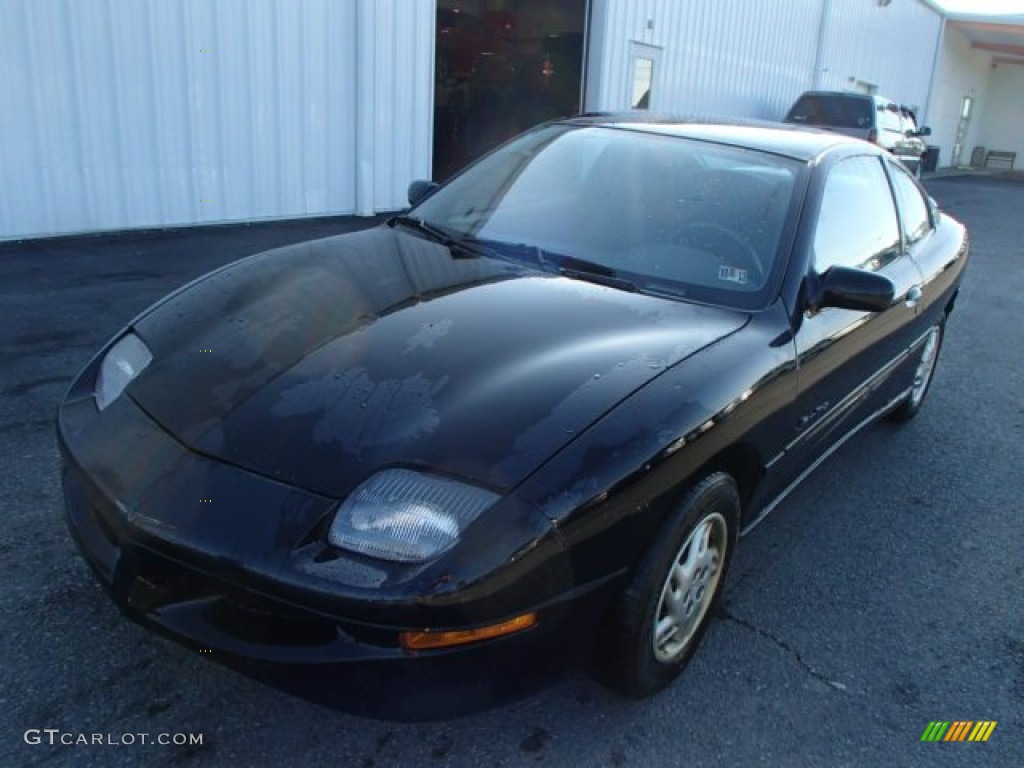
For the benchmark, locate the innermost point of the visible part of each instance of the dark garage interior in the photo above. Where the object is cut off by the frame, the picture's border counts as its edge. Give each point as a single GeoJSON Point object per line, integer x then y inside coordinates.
{"type": "Point", "coordinates": [502, 66]}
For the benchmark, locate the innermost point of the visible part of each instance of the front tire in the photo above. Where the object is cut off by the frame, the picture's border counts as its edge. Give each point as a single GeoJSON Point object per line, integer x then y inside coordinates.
{"type": "Point", "coordinates": [659, 619]}
{"type": "Point", "coordinates": [923, 375]}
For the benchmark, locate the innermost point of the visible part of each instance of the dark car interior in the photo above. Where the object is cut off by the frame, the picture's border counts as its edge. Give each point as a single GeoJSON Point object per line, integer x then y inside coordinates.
{"type": "Point", "coordinates": [674, 216]}
{"type": "Point", "coordinates": [672, 213]}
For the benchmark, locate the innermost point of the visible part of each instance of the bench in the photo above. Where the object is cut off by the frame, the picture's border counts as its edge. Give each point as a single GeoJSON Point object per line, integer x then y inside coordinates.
{"type": "Point", "coordinates": [1001, 158]}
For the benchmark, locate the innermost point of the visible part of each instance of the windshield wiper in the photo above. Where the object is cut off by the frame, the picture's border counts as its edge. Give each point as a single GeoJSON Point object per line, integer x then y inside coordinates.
{"type": "Point", "coordinates": [591, 271]}
{"type": "Point", "coordinates": [438, 235]}
{"type": "Point", "coordinates": [432, 231]}
{"type": "Point", "coordinates": [501, 249]}
{"type": "Point", "coordinates": [567, 266]}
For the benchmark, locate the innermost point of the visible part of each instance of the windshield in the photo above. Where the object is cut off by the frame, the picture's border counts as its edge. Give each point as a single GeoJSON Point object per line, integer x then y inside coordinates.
{"type": "Point", "coordinates": [656, 213]}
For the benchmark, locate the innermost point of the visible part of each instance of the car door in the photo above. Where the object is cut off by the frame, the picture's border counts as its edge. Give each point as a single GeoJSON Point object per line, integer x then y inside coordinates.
{"type": "Point", "coordinates": [852, 363]}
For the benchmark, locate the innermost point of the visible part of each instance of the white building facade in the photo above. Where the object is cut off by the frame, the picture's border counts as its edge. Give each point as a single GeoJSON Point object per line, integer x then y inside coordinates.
{"type": "Point", "coordinates": [126, 114]}
{"type": "Point", "coordinates": [150, 113]}
{"type": "Point", "coordinates": [752, 58]}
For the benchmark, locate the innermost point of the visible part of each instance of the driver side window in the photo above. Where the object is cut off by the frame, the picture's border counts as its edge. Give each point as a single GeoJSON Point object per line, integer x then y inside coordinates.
{"type": "Point", "coordinates": [857, 224]}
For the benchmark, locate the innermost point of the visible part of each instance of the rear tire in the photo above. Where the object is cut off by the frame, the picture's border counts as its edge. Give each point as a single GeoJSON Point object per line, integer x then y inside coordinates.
{"type": "Point", "coordinates": [659, 619]}
{"type": "Point", "coordinates": [923, 375]}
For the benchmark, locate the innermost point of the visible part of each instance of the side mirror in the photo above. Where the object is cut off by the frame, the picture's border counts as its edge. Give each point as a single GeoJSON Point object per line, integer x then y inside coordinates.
{"type": "Point", "coordinates": [420, 189]}
{"type": "Point", "coordinates": [925, 131]}
{"type": "Point", "coordinates": [848, 288]}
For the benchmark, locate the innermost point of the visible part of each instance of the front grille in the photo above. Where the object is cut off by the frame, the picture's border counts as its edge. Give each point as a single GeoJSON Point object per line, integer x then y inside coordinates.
{"type": "Point", "coordinates": [260, 621]}
{"type": "Point", "coordinates": [233, 610]}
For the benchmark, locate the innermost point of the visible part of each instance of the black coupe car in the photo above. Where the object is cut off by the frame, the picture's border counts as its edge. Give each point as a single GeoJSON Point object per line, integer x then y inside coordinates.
{"type": "Point", "coordinates": [414, 470]}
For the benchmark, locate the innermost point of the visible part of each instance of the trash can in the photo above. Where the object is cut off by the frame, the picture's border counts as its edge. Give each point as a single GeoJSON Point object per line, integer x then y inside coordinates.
{"type": "Point", "coordinates": [930, 161]}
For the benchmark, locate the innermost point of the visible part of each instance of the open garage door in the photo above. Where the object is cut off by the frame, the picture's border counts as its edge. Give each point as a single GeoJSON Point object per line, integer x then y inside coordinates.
{"type": "Point", "coordinates": [502, 66]}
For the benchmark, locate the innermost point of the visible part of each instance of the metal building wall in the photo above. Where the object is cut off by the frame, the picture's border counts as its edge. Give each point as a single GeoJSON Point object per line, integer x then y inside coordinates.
{"type": "Point", "coordinates": [121, 114]}
{"type": "Point", "coordinates": [745, 58]}
{"type": "Point", "coordinates": [752, 58]}
{"type": "Point", "coordinates": [889, 46]}
{"type": "Point", "coordinates": [403, 101]}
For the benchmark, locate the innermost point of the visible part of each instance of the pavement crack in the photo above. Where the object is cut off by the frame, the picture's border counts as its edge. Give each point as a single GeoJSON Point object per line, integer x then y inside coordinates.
{"type": "Point", "coordinates": [786, 647]}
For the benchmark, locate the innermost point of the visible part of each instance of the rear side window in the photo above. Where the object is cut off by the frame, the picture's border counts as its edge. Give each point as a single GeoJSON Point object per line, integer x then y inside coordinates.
{"type": "Point", "coordinates": [833, 110]}
{"type": "Point", "coordinates": [857, 224]}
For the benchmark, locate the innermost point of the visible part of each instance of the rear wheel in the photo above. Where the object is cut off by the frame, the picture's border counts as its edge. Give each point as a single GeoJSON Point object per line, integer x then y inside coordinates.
{"type": "Point", "coordinates": [663, 613]}
{"type": "Point", "coordinates": [923, 375]}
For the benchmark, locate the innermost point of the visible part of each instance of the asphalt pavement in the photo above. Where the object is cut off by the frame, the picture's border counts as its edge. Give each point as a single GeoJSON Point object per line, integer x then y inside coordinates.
{"type": "Point", "coordinates": [884, 594]}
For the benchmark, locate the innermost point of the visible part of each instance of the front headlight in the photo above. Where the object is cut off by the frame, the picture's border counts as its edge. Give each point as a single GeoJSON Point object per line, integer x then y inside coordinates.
{"type": "Point", "coordinates": [125, 360]}
{"type": "Point", "coordinates": [407, 516]}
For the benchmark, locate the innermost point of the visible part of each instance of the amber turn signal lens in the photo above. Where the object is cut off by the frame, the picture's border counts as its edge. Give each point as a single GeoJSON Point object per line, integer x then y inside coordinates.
{"type": "Point", "coordinates": [418, 640]}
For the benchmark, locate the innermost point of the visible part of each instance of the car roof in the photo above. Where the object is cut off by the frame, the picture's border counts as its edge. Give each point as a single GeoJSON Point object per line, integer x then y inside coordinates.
{"type": "Point", "coordinates": [875, 97]}
{"type": "Point", "coordinates": [794, 141]}
{"type": "Point", "coordinates": [844, 94]}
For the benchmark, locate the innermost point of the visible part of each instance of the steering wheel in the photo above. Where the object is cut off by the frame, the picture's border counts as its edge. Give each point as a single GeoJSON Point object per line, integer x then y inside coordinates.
{"type": "Point", "coordinates": [692, 233]}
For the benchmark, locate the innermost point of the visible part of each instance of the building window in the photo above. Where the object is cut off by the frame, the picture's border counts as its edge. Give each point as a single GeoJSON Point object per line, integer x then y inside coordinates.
{"type": "Point", "coordinates": [643, 78]}
{"type": "Point", "coordinates": [643, 66]}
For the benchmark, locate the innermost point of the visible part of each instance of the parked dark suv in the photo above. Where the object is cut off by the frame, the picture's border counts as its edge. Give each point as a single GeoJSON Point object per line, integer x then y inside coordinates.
{"type": "Point", "coordinates": [872, 118]}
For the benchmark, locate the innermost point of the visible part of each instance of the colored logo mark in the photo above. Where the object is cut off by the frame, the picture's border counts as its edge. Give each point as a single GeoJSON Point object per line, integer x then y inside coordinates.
{"type": "Point", "coordinates": [959, 730]}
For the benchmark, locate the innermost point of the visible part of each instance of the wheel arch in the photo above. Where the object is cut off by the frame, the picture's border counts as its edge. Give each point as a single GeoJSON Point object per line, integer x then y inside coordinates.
{"type": "Point", "coordinates": [742, 461]}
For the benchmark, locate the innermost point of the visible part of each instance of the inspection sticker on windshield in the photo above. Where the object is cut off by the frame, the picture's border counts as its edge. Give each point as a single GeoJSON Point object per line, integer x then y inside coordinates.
{"type": "Point", "coordinates": [732, 274]}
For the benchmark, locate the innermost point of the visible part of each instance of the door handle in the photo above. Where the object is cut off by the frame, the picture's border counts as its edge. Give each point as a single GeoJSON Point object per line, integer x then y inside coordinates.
{"type": "Point", "coordinates": [913, 296]}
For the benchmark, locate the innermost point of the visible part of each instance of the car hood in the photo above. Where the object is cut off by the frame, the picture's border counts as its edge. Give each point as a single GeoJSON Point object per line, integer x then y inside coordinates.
{"type": "Point", "coordinates": [319, 363]}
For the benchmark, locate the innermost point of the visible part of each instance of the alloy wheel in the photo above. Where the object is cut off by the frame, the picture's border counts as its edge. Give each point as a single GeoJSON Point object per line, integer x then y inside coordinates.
{"type": "Point", "coordinates": [925, 368]}
{"type": "Point", "coordinates": [689, 587]}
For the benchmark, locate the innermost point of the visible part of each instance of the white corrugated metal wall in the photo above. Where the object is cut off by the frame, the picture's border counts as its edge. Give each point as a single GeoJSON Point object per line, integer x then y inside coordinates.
{"type": "Point", "coordinates": [752, 58]}
{"type": "Point", "coordinates": [889, 46]}
{"type": "Point", "coordinates": [128, 113]}
{"type": "Point", "coordinates": [740, 58]}
{"type": "Point", "coordinates": [404, 98]}
{"type": "Point", "coordinates": [121, 113]}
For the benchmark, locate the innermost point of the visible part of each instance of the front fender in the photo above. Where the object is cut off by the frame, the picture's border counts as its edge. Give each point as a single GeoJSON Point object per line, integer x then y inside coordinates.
{"type": "Point", "coordinates": [607, 491]}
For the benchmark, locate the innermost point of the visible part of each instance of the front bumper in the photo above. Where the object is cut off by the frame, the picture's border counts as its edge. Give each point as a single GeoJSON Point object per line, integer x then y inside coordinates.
{"type": "Point", "coordinates": [265, 608]}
